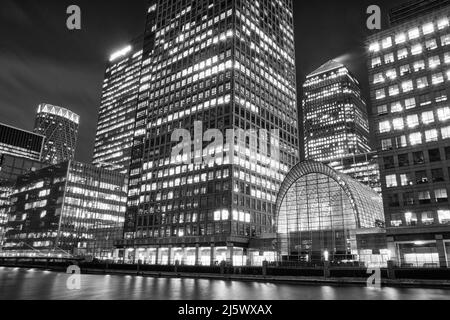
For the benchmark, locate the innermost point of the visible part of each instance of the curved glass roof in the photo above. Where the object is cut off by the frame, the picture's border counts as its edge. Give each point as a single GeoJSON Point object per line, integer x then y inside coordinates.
{"type": "Point", "coordinates": [317, 209]}
{"type": "Point", "coordinates": [366, 203]}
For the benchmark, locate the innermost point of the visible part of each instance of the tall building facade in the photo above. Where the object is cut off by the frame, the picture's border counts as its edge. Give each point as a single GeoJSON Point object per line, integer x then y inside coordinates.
{"type": "Point", "coordinates": [59, 126]}
{"type": "Point", "coordinates": [20, 151]}
{"type": "Point", "coordinates": [116, 123]}
{"type": "Point", "coordinates": [336, 124]}
{"type": "Point", "coordinates": [11, 167]}
{"type": "Point", "coordinates": [20, 143]}
{"type": "Point", "coordinates": [335, 119]}
{"type": "Point", "coordinates": [409, 67]}
{"type": "Point", "coordinates": [68, 208]}
{"type": "Point", "coordinates": [228, 65]}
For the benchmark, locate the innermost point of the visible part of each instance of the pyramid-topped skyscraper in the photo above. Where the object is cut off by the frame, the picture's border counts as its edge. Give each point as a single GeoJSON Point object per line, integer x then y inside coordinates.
{"type": "Point", "coordinates": [336, 124]}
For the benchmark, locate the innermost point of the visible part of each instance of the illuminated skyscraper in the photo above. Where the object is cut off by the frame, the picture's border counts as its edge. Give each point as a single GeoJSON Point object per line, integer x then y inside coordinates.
{"type": "Point", "coordinates": [409, 67]}
{"type": "Point", "coordinates": [68, 208]}
{"type": "Point", "coordinates": [335, 117]}
{"type": "Point", "coordinates": [229, 65]}
{"type": "Point", "coordinates": [336, 124]}
{"type": "Point", "coordinates": [60, 128]}
{"type": "Point", "coordinates": [116, 123]}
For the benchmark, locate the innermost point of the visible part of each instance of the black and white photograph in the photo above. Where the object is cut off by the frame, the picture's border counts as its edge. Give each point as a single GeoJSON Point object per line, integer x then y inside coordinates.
{"type": "Point", "coordinates": [224, 156]}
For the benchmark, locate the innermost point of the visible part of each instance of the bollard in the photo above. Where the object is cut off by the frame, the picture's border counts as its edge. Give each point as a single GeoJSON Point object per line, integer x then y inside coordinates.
{"type": "Point", "coordinates": [222, 267]}
{"type": "Point", "coordinates": [326, 269]}
{"type": "Point", "coordinates": [177, 263]}
{"type": "Point", "coordinates": [264, 268]}
{"type": "Point", "coordinates": [391, 269]}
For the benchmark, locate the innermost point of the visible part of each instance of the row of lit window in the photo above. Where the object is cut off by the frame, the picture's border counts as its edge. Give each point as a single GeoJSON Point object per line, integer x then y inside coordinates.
{"type": "Point", "coordinates": [408, 85]}
{"type": "Point", "coordinates": [411, 34]}
{"type": "Point", "coordinates": [416, 49]}
{"type": "Point", "coordinates": [410, 103]}
{"type": "Point", "coordinates": [412, 121]}
{"type": "Point", "coordinates": [427, 218]}
{"type": "Point", "coordinates": [391, 74]}
{"type": "Point", "coordinates": [417, 138]}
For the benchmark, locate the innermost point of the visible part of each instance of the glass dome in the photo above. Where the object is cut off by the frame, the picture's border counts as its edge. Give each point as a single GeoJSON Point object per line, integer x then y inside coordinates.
{"type": "Point", "coordinates": [317, 210]}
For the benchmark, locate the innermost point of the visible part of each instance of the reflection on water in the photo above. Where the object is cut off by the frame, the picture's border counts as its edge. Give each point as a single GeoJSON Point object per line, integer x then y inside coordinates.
{"type": "Point", "coordinates": [35, 284]}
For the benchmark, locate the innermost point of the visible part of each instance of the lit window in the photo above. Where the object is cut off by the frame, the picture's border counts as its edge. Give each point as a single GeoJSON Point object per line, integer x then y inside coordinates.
{"type": "Point", "coordinates": [415, 138]}
{"type": "Point", "coordinates": [445, 40]}
{"type": "Point", "coordinates": [441, 195]}
{"type": "Point", "coordinates": [422, 82]}
{"type": "Point", "coordinates": [419, 65]}
{"type": "Point", "coordinates": [217, 215]}
{"type": "Point", "coordinates": [431, 44]}
{"type": "Point", "coordinates": [428, 117]}
{"type": "Point", "coordinates": [401, 142]}
{"type": "Point", "coordinates": [445, 132]}
{"type": "Point", "coordinates": [386, 144]}
{"type": "Point", "coordinates": [389, 58]}
{"type": "Point", "coordinates": [444, 114]}
{"type": "Point", "coordinates": [402, 54]}
{"type": "Point", "coordinates": [400, 38]}
{"type": "Point", "coordinates": [382, 110]}
{"type": "Point", "coordinates": [385, 126]}
{"type": "Point", "coordinates": [378, 78]}
{"type": "Point", "coordinates": [394, 90]}
{"type": "Point", "coordinates": [396, 107]}
{"type": "Point", "coordinates": [447, 57]}
{"type": "Point", "coordinates": [431, 135]}
{"type": "Point", "coordinates": [374, 47]}
{"type": "Point", "coordinates": [387, 43]}
{"type": "Point", "coordinates": [407, 86]}
{"type": "Point", "coordinates": [405, 70]}
{"type": "Point", "coordinates": [428, 28]}
{"type": "Point", "coordinates": [412, 121]}
{"type": "Point", "coordinates": [391, 74]}
{"type": "Point", "coordinates": [405, 180]}
{"type": "Point", "coordinates": [398, 124]}
{"type": "Point", "coordinates": [424, 197]}
{"type": "Point", "coordinates": [437, 78]}
{"type": "Point", "coordinates": [413, 33]}
{"type": "Point", "coordinates": [410, 103]}
{"type": "Point", "coordinates": [376, 62]}
{"type": "Point", "coordinates": [416, 49]}
{"type": "Point", "coordinates": [444, 216]}
{"type": "Point", "coordinates": [391, 181]}
{"type": "Point", "coordinates": [434, 62]}
{"type": "Point", "coordinates": [443, 23]}
{"type": "Point", "coordinates": [380, 94]}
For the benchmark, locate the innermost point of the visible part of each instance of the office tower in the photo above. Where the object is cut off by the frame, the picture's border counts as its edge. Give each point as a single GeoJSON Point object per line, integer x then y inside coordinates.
{"type": "Point", "coordinates": [20, 151]}
{"type": "Point", "coordinates": [409, 69]}
{"type": "Point", "coordinates": [335, 117]}
{"type": "Point", "coordinates": [116, 123]}
{"type": "Point", "coordinates": [67, 209]}
{"type": "Point", "coordinates": [227, 65]}
{"type": "Point", "coordinates": [20, 143]}
{"type": "Point", "coordinates": [336, 123]}
{"type": "Point", "coordinates": [60, 128]}
{"type": "Point", "coordinates": [12, 167]}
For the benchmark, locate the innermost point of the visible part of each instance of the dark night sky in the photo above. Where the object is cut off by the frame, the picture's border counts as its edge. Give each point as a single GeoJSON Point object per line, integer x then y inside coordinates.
{"type": "Point", "coordinates": [42, 61]}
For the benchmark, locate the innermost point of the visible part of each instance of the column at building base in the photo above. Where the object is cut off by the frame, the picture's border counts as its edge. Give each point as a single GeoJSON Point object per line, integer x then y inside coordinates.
{"type": "Point", "coordinates": [440, 245]}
